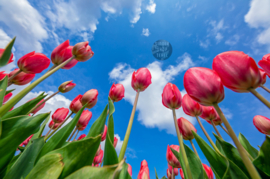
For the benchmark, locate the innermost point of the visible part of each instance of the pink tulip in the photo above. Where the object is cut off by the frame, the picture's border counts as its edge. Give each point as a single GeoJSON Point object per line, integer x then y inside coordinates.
{"type": "Point", "coordinates": [209, 113]}
{"type": "Point", "coordinates": [7, 97]}
{"type": "Point", "coordinates": [208, 171]}
{"type": "Point", "coordinates": [26, 141]}
{"type": "Point", "coordinates": [38, 108]}
{"type": "Point", "coordinates": [171, 96]}
{"type": "Point", "coordinates": [62, 53]}
{"type": "Point", "coordinates": [115, 142]}
{"type": "Point", "coordinates": [262, 124]}
{"type": "Point", "coordinates": [191, 107]}
{"type": "Point", "coordinates": [237, 71]}
{"type": "Point", "coordinates": [53, 125]}
{"type": "Point", "coordinates": [172, 160]}
{"type": "Point", "coordinates": [90, 98]}
{"type": "Point", "coordinates": [10, 58]}
{"type": "Point", "coordinates": [175, 170]}
{"type": "Point", "coordinates": [263, 76]}
{"type": "Point", "coordinates": [76, 104]}
{"type": "Point", "coordinates": [82, 136]}
{"type": "Point", "coordinates": [98, 158]}
{"type": "Point", "coordinates": [169, 174]}
{"type": "Point", "coordinates": [181, 173]}
{"type": "Point", "coordinates": [129, 170]}
{"type": "Point", "coordinates": [60, 115]}
{"type": "Point", "coordinates": [3, 75]}
{"type": "Point", "coordinates": [82, 51]}
{"type": "Point", "coordinates": [103, 137]}
{"type": "Point", "coordinates": [141, 79]}
{"type": "Point", "coordinates": [33, 63]}
{"type": "Point", "coordinates": [144, 171]}
{"type": "Point", "coordinates": [84, 119]}
{"type": "Point", "coordinates": [22, 78]}
{"type": "Point", "coordinates": [66, 86]}
{"type": "Point", "coordinates": [117, 92]}
{"type": "Point", "coordinates": [265, 63]}
{"type": "Point", "coordinates": [203, 85]}
{"type": "Point", "coordinates": [186, 128]}
{"type": "Point", "coordinates": [98, 150]}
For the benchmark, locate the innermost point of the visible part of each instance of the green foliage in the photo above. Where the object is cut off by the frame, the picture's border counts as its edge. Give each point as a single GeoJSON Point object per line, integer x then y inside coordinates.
{"type": "Point", "coordinates": [124, 172]}
{"type": "Point", "coordinates": [3, 87]}
{"type": "Point", "coordinates": [6, 54]}
{"type": "Point", "coordinates": [245, 143]}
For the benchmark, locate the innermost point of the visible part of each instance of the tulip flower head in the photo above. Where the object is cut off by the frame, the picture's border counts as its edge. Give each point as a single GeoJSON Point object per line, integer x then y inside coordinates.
{"type": "Point", "coordinates": [82, 136]}
{"type": "Point", "coordinates": [66, 86]}
{"type": "Point", "coordinates": [191, 107]}
{"type": "Point", "coordinates": [141, 79]}
{"type": "Point", "coordinates": [181, 173]}
{"type": "Point", "coordinates": [263, 76]}
{"type": "Point", "coordinates": [3, 75]}
{"type": "Point", "coordinates": [171, 159]}
{"type": "Point", "coordinates": [175, 170]}
{"type": "Point", "coordinates": [186, 128]}
{"type": "Point", "coordinates": [208, 171]}
{"type": "Point", "coordinates": [129, 170]}
{"type": "Point", "coordinates": [115, 142]}
{"type": "Point", "coordinates": [84, 119]}
{"type": "Point", "coordinates": [10, 58]}
{"type": "Point", "coordinates": [98, 158]}
{"type": "Point", "coordinates": [171, 96]}
{"type": "Point", "coordinates": [76, 104]}
{"type": "Point", "coordinates": [60, 115]}
{"type": "Point", "coordinates": [144, 171]}
{"type": "Point", "coordinates": [103, 137]}
{"type": "Point", "coordinates": [90, 98]}
{"type": "Point", "coordinates": [26, 141]}
{"type": "Point", "coordinates": [216, 121]}
{"type": "Point", "coordinates": [169, 174]}
{"type": "Point", "coordinates": [209, 113]}
{"type": "Point", "coordinates": [22, 78]}
{"type": "Point", "coordinates": [82, 51]}
{"type": "Point", "coordinates": [53, 125]}
{"type": "Point", "coordinates": [98, 150]}
{"type": "Point", "coordinates": [117, 92]}
{"type": "Point", "coordinates": [262, 124]}
{"type": "Point", "coordinates": [265, 63]}
{"type": "Point", "coordinates": [7, 97]}
{"type": "Point", "coordinates": [38, 108]}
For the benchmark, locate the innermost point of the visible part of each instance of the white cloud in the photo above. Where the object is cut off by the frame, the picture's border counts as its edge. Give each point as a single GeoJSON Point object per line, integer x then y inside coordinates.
{"type": "Point", "coordinates": [151, 111]}
{"type": "Point", "coordinates": [233, 40]}
{"type": "Point", "coordinates": [203, 59]}
{"type": "Point", "coordinates": [216, 28]}
{"type": "Point", "coordinates": [227, 113]}
{"type": "Point", "coordinates": [205, 44]}
{"type": "Point", "coordinates": [145, 32]}
{"type": "Point", "coordinates": [151, 7]}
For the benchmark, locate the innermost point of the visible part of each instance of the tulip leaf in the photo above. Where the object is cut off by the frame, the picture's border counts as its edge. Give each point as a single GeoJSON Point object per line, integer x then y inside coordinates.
{"type": "Point", "coordinates": [124, 172]}
{"type": "Point", "coordinates": [180, 159]}
{"type": "Point", "coordinates": [60, 137]}
{"type": "Point", "coordinates": [14, 159]}
{"type": "Point", "coordinates": [9, 91]}
{"type": "Point", "coordinates": [48, 167]}
{"type": "Point", "coordinates": [249, 148]}
{"type": "Point", "coordinates": [156, 174]}
{"type": "Point", "coordinates": [4, 59]}
{"type": "Point", "coordinates": [78, 154]}
{"type": "Point", "coordinates": [3, 87]}
{"type": "Point", "coordinates": [42, 127]}
{"type": "Point", "coordinates": [25, 162]}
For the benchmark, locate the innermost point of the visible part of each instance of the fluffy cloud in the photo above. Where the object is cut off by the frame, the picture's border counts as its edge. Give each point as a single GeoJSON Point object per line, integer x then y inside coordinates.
{"type": "Point", "coordinates": [151, 112]}
{"type": "Point", "coordinates": [205, 44]}
{"type": "Point", "coordinates": [216, 28]}
{"type": "Point", "coordinates": [145, 32]}
{"type": "Point", "coordinates": [151, 7]}
{"type": "Point", "coordinates": [233, 40]}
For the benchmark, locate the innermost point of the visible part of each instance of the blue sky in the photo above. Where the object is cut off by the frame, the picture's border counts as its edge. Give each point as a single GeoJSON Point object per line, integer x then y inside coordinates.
{"type": "Point", "coordinates": [198, 30]}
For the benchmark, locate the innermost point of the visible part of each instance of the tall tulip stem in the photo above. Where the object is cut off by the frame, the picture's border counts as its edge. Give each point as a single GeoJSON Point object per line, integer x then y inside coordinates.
{"type": "Point", "coordinates": [76, 135]}
{"type": "Point", "coordinates": [224, 128]}
{"type": "Point", "coordinates": [260, 97]}
{"type": "Point", "coordinates": [181, 144]}
{"type": "Point", "coordinates": [124, 146]}
{"type": "Point", "coordinates": [173, 177]}
{"type": "Point", "coordinates": [12, 77]}
{"type": "Point", "coordinates": [194, 149]}
{"type": "Point", "coordinates": [216, 129]}
{"type": "Point", "coordinates": [265, 88]}
{"type": "Point", "coordinates": [250, 167]}
{"type": "Point", "coordinates": [50, 130]}
{"type": "Point", "coordinates": [72, 134]}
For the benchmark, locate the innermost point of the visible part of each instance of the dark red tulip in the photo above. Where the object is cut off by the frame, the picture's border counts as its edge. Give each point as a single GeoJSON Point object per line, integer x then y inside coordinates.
{"type": "Point", "coordinates": [265, 63]}
{"type": "Point", "coordinates": [172, 160]}
{"type": "Point", "coordinates": [82, 51]}
{"type": "Point", "coordinates": [82, 136]}
{"type": "Point", "coordinates": [84, 120]}
{"type": "Point", "coordinates": [90, 98]}
{"type": "Point", "coordinates": [60, 115]}
{"type": "Point", "coordinates": [76, 104]}
{"type": "Point", "coordinates": [7, 97]}
{"type": "Point", "coordinates": [262, 124]}
{"type": "Point", "coordinates": [38, 108]}
{"type": "Point", "coordinates": [186, 128]}
{"type": "Point", "coordinates": [141, 79]}
{"type": "Point", "coordinates": [53, 125]}
{"type": "Point", "coordinates": [66, 86]}
{"type": "Point", "coordinates": [144, 171]}
{"type": "Point", "coordinates": [171, 96]}
{"type": "Point", "coordinates": [117, 92]}
{"type": "Point", "coordinates": [10, 58]}
{"type": "Point", "coordinates": [191, 107]}
{"type": "Point", "coordinates": [103, 137]}
{"type": "Point", "coordinates": [22, 78]}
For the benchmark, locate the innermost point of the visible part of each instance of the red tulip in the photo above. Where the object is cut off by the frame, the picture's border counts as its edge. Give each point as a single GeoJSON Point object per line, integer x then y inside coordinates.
{"type": "Point", "coordinates": [203, 85]}
{"type": "Point", "coordinates": [90, 98]}
{"type": "Point", "coordinates": [33, 63]}
{"type": "Point", "coordinates": [98, 150]}
{"type": "Point", "coordinates": [98, 158]}
{"type": "Point", "coordinates": [95, 165]}
{"type": "Point", "coordinates": [22, 78]}
{"type": "Point", "coordinates": [265, 63]}
{"type": "Point", "coordinates": [84, 119]}
{"type": "Point", "coordinates": [62, 53]}
{"type": "Point", "coordinates": [82, 136]}
{"type": "Point", "coordinates": [3, 75]}
{"type": "Point", "coordinates": [186, 128]}
{"type": "Point", "coordinates": [263, 76]}
{"type": "Point", "coordinates": [103, 137]}
{"type": "Point", "coordinates": [191, 107]}
{"type": "Point", "coordinates": [10, 58]}
{"type": "Point", "coordinates": [82, 51]}
{"type": "Point", "coordinates": [209, 113]}
{"type": "Point", "coordinates": [53, 125]}
{"type": "Point", "coordinates": [26, 141]}
{"type": "Point", "coordinates": [115, 142]}
{"type": "Point", "coordinates": [129, 170]}
{"type": "Point", "coordinates": [237, 71]}
{"type": "Point", "coordinates": [169, 175]}
{"type": "Point", "coordinates": [208, 171]}
{"type": "Point", "coordinates": [175, 170]}
{"type": "Point", "coordinates": [141, 79]}
{"type": "Point", "coordinates": [262, 124]}
{"type": "Point", "coordinates": [76, 104]}
{"type": "Point", "coordinates": [117, 92]}
{"type": "Point", "coordinates": [66, 86]}
{"type": "Point", "coordinates": [60, 115]}
{"type": "Point", "coordinates": [181, 173]}
{"type": "Point", "coordinates": [171, 96]}
{"type": "Point", "coordinates": [172, 160]}
{"type": "Point", "coordinates": [144, 171]}
{"type": "Point", "coordinates": [6, 97]}
{"type": "Point", "coordinates": [38, 108]}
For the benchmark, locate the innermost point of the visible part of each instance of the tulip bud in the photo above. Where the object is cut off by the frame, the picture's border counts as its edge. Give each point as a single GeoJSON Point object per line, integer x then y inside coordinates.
{"type": "Point", "coordinates": [209, 113]}
{"type": "Point", "coordinates": [84, 119]}
{"type": "Point", "coordinates": [115, 142]}
{"type": "Point", "coordinates": [191, 107]}
{"type": "Point", "coordinates": [262, 124]}
{"type": "Point", "coordinates": [26, 141]}
{"type": "Point", "coordinates": [103, 137]}
{"type": "Point", "coordinates": [90, 98]}
{"type": "Point", "coordinates": [76, 104]}
{"type": "Point", "coordinates": [60, 115]}
{"type": "Point", "coordinates": [265, 63]}
{"type": "Point", "coordinates": [181, 173]}
{"type": "Point", "coordinates": [172, 160]}
{"type": "Point", "coordinates": [129, 170]}
{"type": "Point", "coordinates": [66, 86]}
{"type": "Point", "coordinates": [82, 136]}
{"type": "Point", "coordinates": [6, 97]}
{"type": "Point", "coordinates": [186, 128]}
{"type": "Point", "coordinates": [62, 53]}
{"type": "Point", "coordinates": [10, 58]}
{"type": "Point", "coordinates": [117, 92]}
{"type": "Point", "coordinates": [53, 125]}
{"type": "Point", "coordinates": [208, 171]}
{"type": "Point", "coordinates": [169, 175]}
{"type": "Point", "coordinates": [175, 170]}
{"type": "Point", "coordinates": [237, 71]}
{"type": "Point", "coordinates": [203, 85]}
{"type": "Point", "coordinates": [98, 150]}
{"type": "Point", "coordinates": [33, 63]}
{"type": "Point", "coordinates": [38, 108]}
{"type": "Point", "coordinates": [98, 158]}
{"type": "Point", "coordinates": [144, 171]}
{"type": "Point", "coordinates": [141, 79]}
{"type": "Point", "coordinates": [82, 51]}
{"type": "Point", "coordinates": [263, 76]}
{"type": "Point", "coordinates": [22, 78]}
{"type": "Point", "coordinates": [171, 96]}
{"type": "Point", "coordinates": [3, 75]}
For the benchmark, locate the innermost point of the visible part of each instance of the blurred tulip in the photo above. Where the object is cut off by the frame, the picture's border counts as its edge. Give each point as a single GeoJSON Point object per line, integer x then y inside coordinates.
{"type": "Point", "coordinates": [3, 75]}
{"type": "Point", "coordinates": [84, 119]}
{"type": "Point", "coordinates": [98, 158]}
{"type": "Point", "coordinates": [33, 63]}
{"type": "Point", "coordinates": [265, 63]}
{"type": "Point", "coordinates": [172, 160]}
{"type": "Point", "coordinates": [39, 107]}
{"type": "Point", "coordinates": [82, 136]}
{"type": "Point", "coordinates": [6, 97]}
{"type": "Point", "coordinates": [171, 96]}
{"type": "Point", "coordinates": [26, 141]}
{"type": "Point", "coordinates": [216, 121]}
{"type": "Point", "coordinates": [262, 124]}
{"type": "Point", "coordinates": [181, 173]}
{"type": "Point", "coordinates": [76, 104]}
{"type": "Point", "coordinates": [22, 78]}
{"type": "Point", "coordinates": [175, 170]}
{"type": "Point", "coordinates": [191, 107]}
{"type": "Point", "coordinates": [10, 58]}
{"type": "Point", "coordinates": [115, 142]}
{"type": "Point", "coordinates": [90, 98]}
{"type": "Point", "coordinates": [82, 51]}
{"type": "Point", "coordinates": [186, 128]}
{"type": "Point", "coordinates": [169, 174]}
{"type": "Point", "coordinates": [53, 125]}
{"type": "Point", "coordinates": [209, 113]}
{"type": "Point", "coordinates": [60, 115]}
{"type": "Point", "coordinates": [263, 76]}
{"type": "Point", "coordinates": [103, 137]}
{"type": "Point", "coordinates": [141, 79]}
{"type": "Point", "coordinates": [144, 171]}
{"type": "Point", "coordinates": [66, 86]}
{"type": "Point", "coordinates": [208, 171]}
{"type": "Point", "coordinates": [117, 92]}
{"type": "Point", "coordinates": [98, 150]}
{"type": "Point", "coordinates": [129, 170]}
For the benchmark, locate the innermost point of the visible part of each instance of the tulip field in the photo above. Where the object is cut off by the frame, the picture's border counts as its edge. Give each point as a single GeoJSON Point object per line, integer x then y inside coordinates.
{"type": "Point", "coordinates": [27, 151]}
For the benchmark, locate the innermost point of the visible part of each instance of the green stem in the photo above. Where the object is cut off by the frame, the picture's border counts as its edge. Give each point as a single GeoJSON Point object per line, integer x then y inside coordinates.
{"type": "Point", "coordinates": [224, 128]}
{"type": "Point", "coordinates": [260, 97]}
{"type": "Point", "coordinates": [76, 135]}
{"type": "Point", "coordinates": [250, 167]}
{"type": "Point", "coordinates": [182, 148]}
{"type": "Point", "coordinates": [216, 129]}
{"type": "Point", "coordinates": [173, 177]}
{"type": "Point", "coordinates": [72, 134]}
{"type": "Point", "coordinates": [5, 108]}
{"type": "Point", "coordinates": [50, 130]}
{"type": "Point", "coordinates": [12, 77]}
{"type": "Point", "coordinates": [125, 142]}
{"type": "Point", "coordinates": [265, 88]}
{"type": "Point", "coordinates": [194, 149]}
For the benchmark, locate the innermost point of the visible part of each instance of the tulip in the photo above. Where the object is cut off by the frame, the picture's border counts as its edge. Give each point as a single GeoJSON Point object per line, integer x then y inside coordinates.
{"type": "Point", "coordinates": [169, 175]}
{"type": "Point", "coordinates": [191, 107]}
{"type": "Point", "coordinates": [6, 97]}
{"type": "Point", "coordinates": [61, 54]}
{"type": "Point", "coordinates": [117, 92]}
{"type": "Point", "coordinates": [144, 171]}
{"type": "Point", "coordinates": [262, 124]}
{"type": "Point", "coordinates": [39, 106]}
{"type": "Point", "coordinates": [181, 173]}
{"type": "Point", "coordinates": [95, 165]}
{"type": "Point", "coordinates": [141, 79]}
{"type": "Point", "coordinates": [175, 170]}
{"type": "Point", "coordinates": [129, 170]}
{"type": "Point", "coordinates": [115, 142]}
{"type": "Point", "coordinates": [263, 76]}
{"type": "Point", "coordinates": [33, 63]}
{"type": "Point", "coordinates": [265, 63]}
{"type": "Point", "coordinates": [53, 125]}
{"type": "Point", "coordinates": [3, 75]}
{"type": "Point", "coordinates": [103, 137]}
{"type": "Point", "coordinates": [172, 160]}
{"type": "Point", "coordinates": [10, 58]}
{"type": "Point", "coordinates": [98, 150]}
{"type": "Point", "coordinates": [60, 115]}
{"type": "Point", "coordinates": [66, 86]}
{"type": "Point", "coordinates": [208, 171]}
{"type": "Point", "coordinates": [76, 104]}
{"type": "Point", "coordinates": [171, 96]}
{"type": "Point", "coordinates": [82, 136]}
{"type": "Point", "coordinates": [98, 158]}
{"type": "Point", "coordinates": [26, 141]}
{"type": "Point", "coordinates": [82, 51]}
{"type": "Point", "coordinates": [90, 98]}
{"type": "Point", "coordinates": [22, 78]}
{"type": "Point", "coordinates": [186, 128]}
{"type": "Point", "coordinates": [84, 119]}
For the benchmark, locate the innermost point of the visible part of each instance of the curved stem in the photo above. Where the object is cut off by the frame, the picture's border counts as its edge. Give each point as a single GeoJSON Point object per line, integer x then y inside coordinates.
{"type": "Point", "coordinates": [124, 146]}
{"type": "Point", "coordinates": [72, 134]}
{"type": "Point", "coordinates": [182, 148]}
{"type": "Point", "coordinates": [12, 77]}
{"type": "Point", "coordinates": [260, 97]}
{"type": "Point", "coordinates": [224, 128]}
{"type": "Point", "coordinates": [76, 135]}
{"type": "Point", "coordinates": [50, 130]}
{"type": "Point", "coordinates": [216, 129]}
{"type": "Point", "coordinates": [265, 88]}
{"type": "Point", "coordinates": [173, 177]}
{"type": "Point", "coordinates": [250, 167]}
{"type": "Point", "coordinates": [194, 149]}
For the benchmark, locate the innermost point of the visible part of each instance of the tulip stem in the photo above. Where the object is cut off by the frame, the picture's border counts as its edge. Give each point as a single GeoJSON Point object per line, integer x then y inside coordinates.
{"type": "Point", "coordinates": [76, 135]}
{"type": "Point", "coordinates": [182, 148]}
{"type": "Point", "coordinates": [173, 177]}
{"type": "Point", "coordinates": [52, 68]}
{"type": "Point", "coordinates": [250, 167]}
{"type": "Point", "coordinates": [216, 129]}
{"type": "Point", "coordinates": [124, 146]}
{"type": "Point", "coordinates": [265, 88]}
{"type": "Point", "coordinates": [194, 149]}
{"type": "Point", "coordinates": [260, 97]}
{"type": "Point", "coordinates": [224, 128]}
{"type": "Point", "coordinates": [12, 77]}
{"type": "Point", "coordinates": [50, 130]}
{"type": "Point", "coordinates": [72, 134]}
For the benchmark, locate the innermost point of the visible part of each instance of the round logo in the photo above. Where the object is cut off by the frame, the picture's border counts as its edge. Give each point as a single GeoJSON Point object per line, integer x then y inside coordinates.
{"type": "Point", "coordinates": [162, 49]}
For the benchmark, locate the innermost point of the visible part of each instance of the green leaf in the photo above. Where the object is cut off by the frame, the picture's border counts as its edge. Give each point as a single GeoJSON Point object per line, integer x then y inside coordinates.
{"type": "Point", "coordinates": [124, 172]}
{"type": "Point", "coordinates": [156, 174]}
{"type": "Point", "coordinates": [42, 127]}
{"type": "Point", "coordinates": [9, 91]}
{"type": "Point", "coordinates": [180, 159]}
{"type": "Point", "coordinates": [14, 159]}
{"type": "Point", "coordinates": [6, 54]}
{"type": "Point", "coordinates": [78, 154]}
{"type": "Point", "coordinates": [48, 167]}
{"type": "Point", "coordinates": [245, 143]}
{"type": "Point", "coordinates": [25, 162]}
{"type": "Point", "coordinates": [3, 87]}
